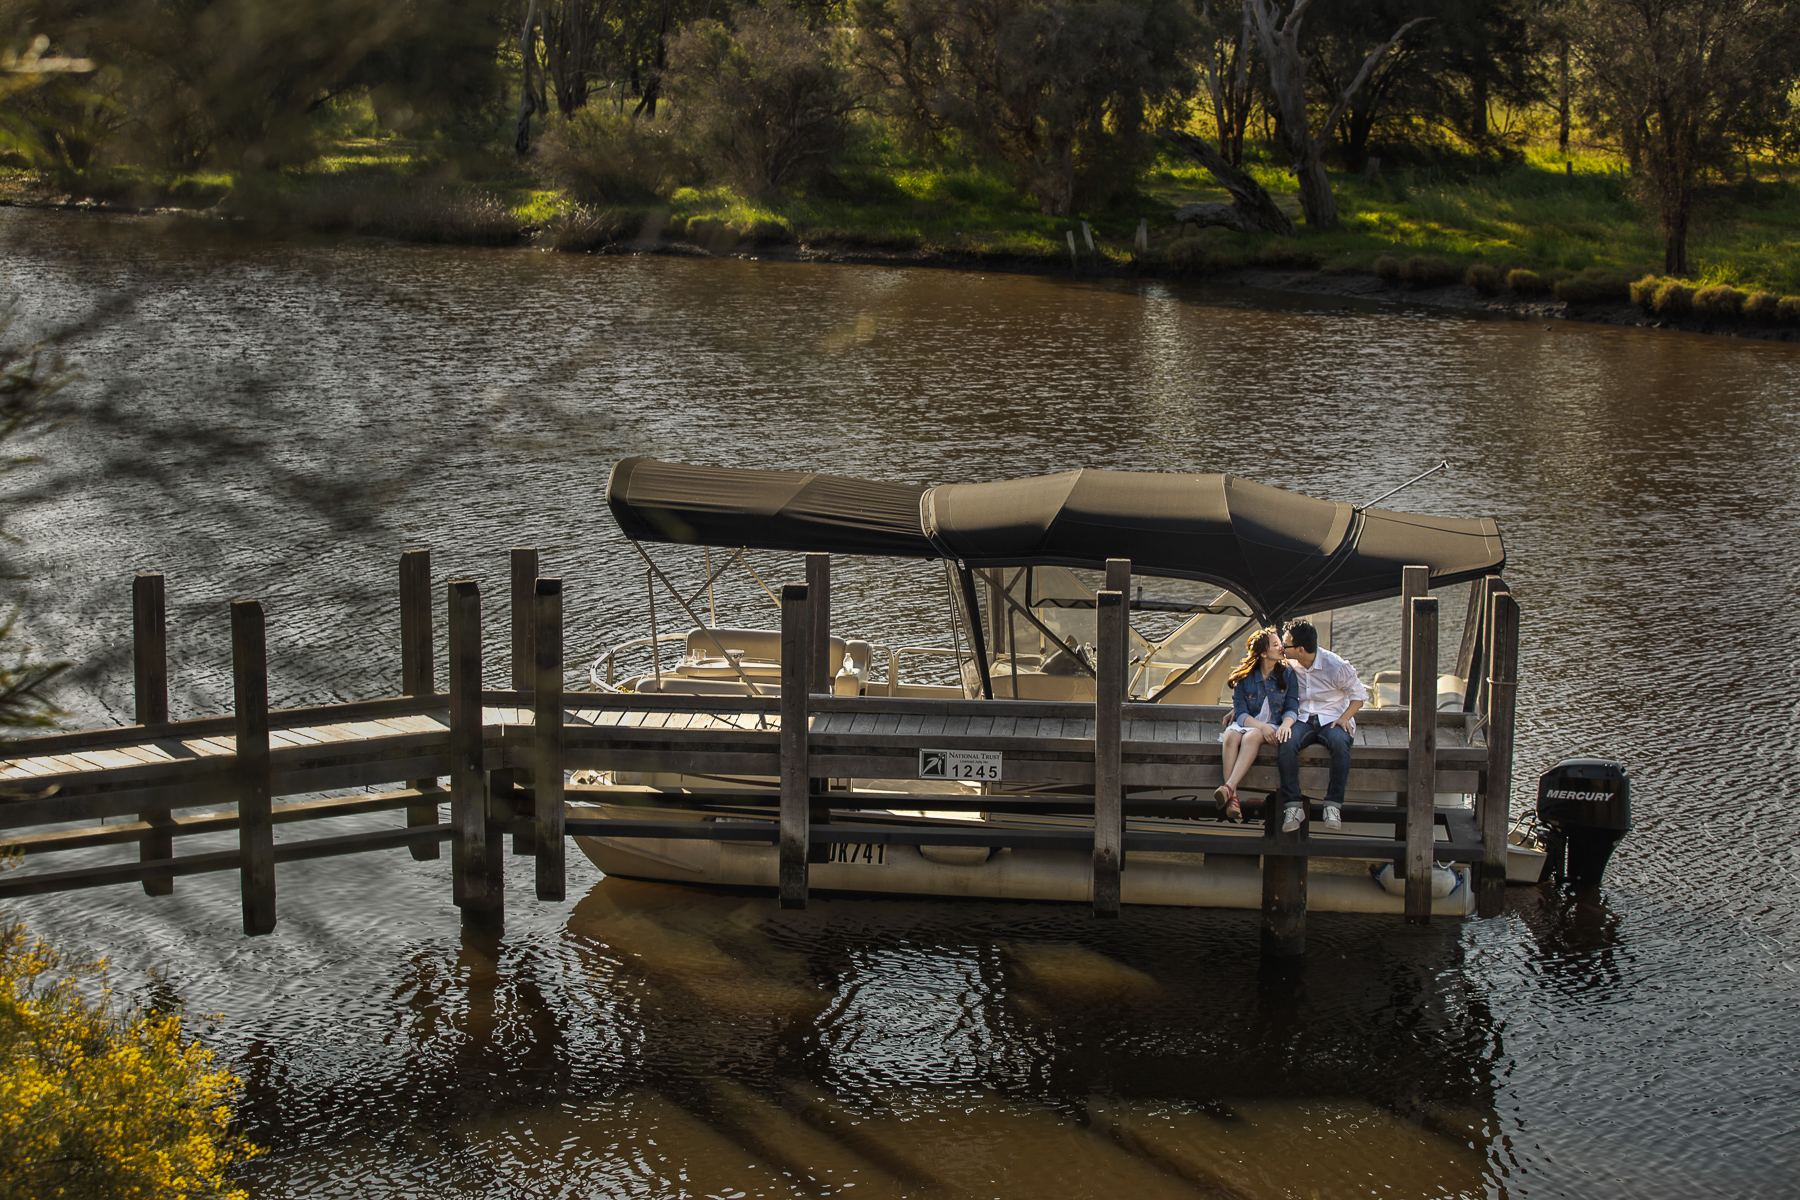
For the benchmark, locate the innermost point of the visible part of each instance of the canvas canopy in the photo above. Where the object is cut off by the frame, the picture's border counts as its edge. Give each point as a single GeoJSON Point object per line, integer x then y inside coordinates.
{"type": "Point", "coordinates": [1283, 553]}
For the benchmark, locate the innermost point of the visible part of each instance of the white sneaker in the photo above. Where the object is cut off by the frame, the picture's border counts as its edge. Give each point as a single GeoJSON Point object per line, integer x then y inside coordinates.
{"type": "Point", "coordinates": [1331, 818]}
{"type": "Point", "coordinates": [1293, 818]}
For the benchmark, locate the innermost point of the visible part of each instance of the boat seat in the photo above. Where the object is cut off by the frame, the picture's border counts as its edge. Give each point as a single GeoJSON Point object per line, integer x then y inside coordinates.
{"type": "Point", "coordinates": [1033, 686]}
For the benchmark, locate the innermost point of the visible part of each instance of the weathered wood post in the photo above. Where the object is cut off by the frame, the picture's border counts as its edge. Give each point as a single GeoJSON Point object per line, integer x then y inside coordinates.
{"type": "Point", "coordinates": [512, 791]}
{"type": "Point", "coordinates": [417, 673]}
{"type": "Point", "coordinates": [818, 622]}
{"type": "Point", "coordinates": [1492, 586]}
{"type": "Point", "coordinates": [1421, 758]}
{"type": "Point", "coordinates": [1496, 795]}
{"type": "Point", "coordinates": [150, 659]}
{"type": "Point", "coordinates": [547, 645]}
{"type": "Point", "coordinates": [476, 880]}
{"type": "Point", "coordinates": [820, 674]}
{"type": "Point", "coordinates": [1109, 681]}
{"type": "Point", "coordinates": [796, 644]}
{"type": "Point", "coordinates": [256, 834]}
{"type": "Point", "coordinates": [1283, 889]}
{"type": "Point", "coordinates": [1414, 581]}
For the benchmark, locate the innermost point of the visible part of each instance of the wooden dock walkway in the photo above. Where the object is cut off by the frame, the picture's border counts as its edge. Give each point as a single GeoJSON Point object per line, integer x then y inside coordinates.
{"type": "Point", "coordinates": [173, 779]}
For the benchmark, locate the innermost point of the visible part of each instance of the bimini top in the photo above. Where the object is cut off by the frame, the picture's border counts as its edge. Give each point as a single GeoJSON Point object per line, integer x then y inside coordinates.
{"type": "Point", "coordinates": [1283, 553]}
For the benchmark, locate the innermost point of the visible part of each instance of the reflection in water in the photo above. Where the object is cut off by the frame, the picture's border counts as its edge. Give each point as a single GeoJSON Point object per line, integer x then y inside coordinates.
{"type": "Point", "coordinates": [717, 1045]}
{"type": "Point", "coordinates": [645, 1040]}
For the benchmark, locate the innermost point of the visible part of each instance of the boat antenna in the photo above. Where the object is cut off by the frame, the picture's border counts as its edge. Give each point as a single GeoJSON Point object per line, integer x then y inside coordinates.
{"type": "Point", "coordinates": [1443, 466]}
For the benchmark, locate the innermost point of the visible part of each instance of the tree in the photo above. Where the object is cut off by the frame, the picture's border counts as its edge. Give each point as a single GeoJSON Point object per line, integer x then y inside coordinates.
{"type": "Point", "coordinates": [1675, 83]}
{"type": "Point", "coordinates": [1225, 61]}
{"type": "Point", "coordinates": [765, 100]}
{"type": "Point", "coordinates": [1278, 34]}
{"type": "Point", "coordinates": [1063, 91]}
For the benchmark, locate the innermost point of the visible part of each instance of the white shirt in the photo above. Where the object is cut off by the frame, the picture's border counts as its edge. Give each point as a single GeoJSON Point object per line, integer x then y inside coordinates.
{"type": "Point", "coordinates": [1327, 687]}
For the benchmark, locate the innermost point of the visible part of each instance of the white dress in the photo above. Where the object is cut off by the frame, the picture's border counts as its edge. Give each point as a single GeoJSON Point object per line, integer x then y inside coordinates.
{"type": "Point", "coordinates": [1240, 727]}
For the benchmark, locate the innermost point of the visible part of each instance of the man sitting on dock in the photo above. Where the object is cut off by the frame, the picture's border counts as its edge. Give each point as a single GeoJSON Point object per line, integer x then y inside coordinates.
{"type": "Point", "coordinates": [1330, 695]}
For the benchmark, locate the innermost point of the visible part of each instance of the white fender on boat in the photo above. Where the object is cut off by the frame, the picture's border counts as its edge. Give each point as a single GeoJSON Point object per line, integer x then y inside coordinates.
{"type": "Point", "coordinates": [1444, 881]}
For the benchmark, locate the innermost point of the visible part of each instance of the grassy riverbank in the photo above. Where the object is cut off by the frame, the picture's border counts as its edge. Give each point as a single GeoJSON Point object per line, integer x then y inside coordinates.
{"type": "Point", "coordinates": [1549, 227]}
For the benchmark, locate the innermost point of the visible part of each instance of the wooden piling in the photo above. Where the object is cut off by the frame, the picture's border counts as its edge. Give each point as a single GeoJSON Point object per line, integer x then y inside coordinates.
{"type": "Point", "coordinates": [1414, 581]}
{"type": "Point", "coordinates": [818, 623]}
{"type": "Point", "coordinates": [796, 646]}
{"type": "Point", "coordinates": [1421, 761]}
{"type": "Point", "coordinates": [547, 645]}
{"type": "Point", "coordinates": [1496, 796]}
{"type": "Point", "coordinates": [150, 658]}
{"type": "Point", "coordinates": [417, 673]}
{"type": "Point", "coordinates": [1468, 658]}
{"type": "Point", "coordinates": [477, 887]}
{"type": "Point", "coordinates": [1109, 821]}
{"type": "Point", "coordinates": [511, 792]}
{"type": "Point", "coordinates": [1283, 891]}
{"type": "Point", "coordinates": [250, 770]}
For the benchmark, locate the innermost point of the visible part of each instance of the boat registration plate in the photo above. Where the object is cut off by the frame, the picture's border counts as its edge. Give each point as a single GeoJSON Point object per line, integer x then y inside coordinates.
{"type": "Point", "coordinates": [874, 855]}
{"type": "Point", "coordinates": [960, 764]}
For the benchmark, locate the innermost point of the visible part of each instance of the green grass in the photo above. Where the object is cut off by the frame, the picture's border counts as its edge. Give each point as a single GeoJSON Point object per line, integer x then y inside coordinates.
{"type": "Point", "coordinates": [1535, 215]}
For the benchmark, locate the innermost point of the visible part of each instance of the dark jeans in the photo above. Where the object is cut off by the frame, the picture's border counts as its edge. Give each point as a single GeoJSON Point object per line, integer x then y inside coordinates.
{"type": "Point", "coordinates": [1335, 738]}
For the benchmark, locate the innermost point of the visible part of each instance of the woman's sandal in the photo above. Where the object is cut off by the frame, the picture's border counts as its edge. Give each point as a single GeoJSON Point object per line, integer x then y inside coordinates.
{"type": "Point", "coordinates": [1233, 813]}
{"type": "Point", "coordinates": [1225, 803]}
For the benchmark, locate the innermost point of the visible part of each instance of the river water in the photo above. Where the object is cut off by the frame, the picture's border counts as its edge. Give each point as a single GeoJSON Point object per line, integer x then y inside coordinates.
{"type": "Point", "coordinates": [281, 420]}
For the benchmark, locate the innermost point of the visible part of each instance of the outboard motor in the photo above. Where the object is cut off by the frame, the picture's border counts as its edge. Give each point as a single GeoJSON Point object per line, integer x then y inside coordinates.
{"type": "Point", "coordinates": [1584, 805]}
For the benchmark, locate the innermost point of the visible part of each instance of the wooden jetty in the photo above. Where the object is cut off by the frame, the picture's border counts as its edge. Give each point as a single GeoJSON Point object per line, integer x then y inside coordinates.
{"type": "Point", "coordinates": [507, 753]}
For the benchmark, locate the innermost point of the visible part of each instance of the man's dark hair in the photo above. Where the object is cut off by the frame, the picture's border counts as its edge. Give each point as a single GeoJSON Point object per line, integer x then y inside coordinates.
{"type": "Point", "coordinates": [1305, 636]}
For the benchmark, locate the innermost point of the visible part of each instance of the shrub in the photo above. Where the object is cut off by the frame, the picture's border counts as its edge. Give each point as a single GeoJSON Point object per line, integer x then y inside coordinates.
{"type": "Point", "coordinates": [380, 209]}
{"type": "Point", "coordinates": [581, 229]}
{"type": "Point", "coordinates": [603, 157]}
{"type": "Point", "coordinates": [1718, 303]}
{"type": "Point", "coordinates": [1527, 283]}
{"type": "Point", "coordinates": [1387, 269]}
{"type": "Point", "coordinates": [1643, 292]}
{"type": "Point", "coordinates": [95, 1101]}
{"type": "Point", "coordinates": [1673, 299]}
{"type": "Point", "coordinates": [1593, 286]}
{"type": "Point", "coordinates": [1789, 310]}
{"type": "Point", "coordinates": [1285, 252]}
{"type": "Point", "coordinates": [1762, 306]}
{"type": "Point", "coordinates": [765, 102]}
{"type": "Point", "coordinates": [1484, 279]}
{"type": "Point", "coordinates": [1424, 271]}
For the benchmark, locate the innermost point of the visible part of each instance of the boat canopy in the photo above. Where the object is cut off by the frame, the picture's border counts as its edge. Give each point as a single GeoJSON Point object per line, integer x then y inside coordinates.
{"type": "Point", "coordinates": [1283, 553]}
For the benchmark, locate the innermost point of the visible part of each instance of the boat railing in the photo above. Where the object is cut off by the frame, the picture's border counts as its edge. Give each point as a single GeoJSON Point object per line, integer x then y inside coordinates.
{"type": "Point", "coordinates": [609, 660]}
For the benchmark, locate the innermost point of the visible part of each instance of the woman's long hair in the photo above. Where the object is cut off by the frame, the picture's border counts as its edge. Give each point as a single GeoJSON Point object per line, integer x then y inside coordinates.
{"type": "Point", "coordinates": [1253, 660]}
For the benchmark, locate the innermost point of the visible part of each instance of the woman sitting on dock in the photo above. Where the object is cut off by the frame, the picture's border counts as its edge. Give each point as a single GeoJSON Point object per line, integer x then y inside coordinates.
{"type": "Point", "coordinates": [1263, 691]}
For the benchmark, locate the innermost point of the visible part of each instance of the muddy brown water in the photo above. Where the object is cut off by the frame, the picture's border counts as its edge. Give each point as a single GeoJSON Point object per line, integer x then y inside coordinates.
{"type": "Point", "coordinates": [281, 420]}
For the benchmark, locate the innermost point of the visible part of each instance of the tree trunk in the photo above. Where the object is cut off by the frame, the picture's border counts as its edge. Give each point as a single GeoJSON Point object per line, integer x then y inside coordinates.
{"type": "Point", "coordinates": [527, 94]}
{"type": "Point", "coordinates": [1316, 200]}
{"type": "Point", "coordinates": [1676, 208]}
{"type": "Point", "coordinates": [1256, 208]}
{"type": "Point", "coordinates": [1562, 97]}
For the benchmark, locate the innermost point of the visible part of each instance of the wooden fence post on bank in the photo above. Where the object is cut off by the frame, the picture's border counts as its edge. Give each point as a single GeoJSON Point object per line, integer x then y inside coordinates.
{"type": "Point", "coordinates": [512, 790]}
{"type": "Point", "coordinates": [474, 862]}
{"type": "Point", "coordinates": [256, 834]}
{"type": "Point", "coordinates": [1109, 686]}
{"type": "Point", "coordinates": [1496, 798]}
{"type": "Point", "coordinates": [547, 646]}
{"type": "Point", "coordinates": [150, 658]}
{"type": "Point", "coordinates": [418, 673]}
{"type": "Point", "coordinates": [796, 646]}
{"type": "Point", "coordinates": [1421, 757]}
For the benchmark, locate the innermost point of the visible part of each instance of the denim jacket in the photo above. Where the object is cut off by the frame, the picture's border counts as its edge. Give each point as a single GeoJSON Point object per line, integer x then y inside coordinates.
{"type": "Point", "coordinates": [1248, 696]}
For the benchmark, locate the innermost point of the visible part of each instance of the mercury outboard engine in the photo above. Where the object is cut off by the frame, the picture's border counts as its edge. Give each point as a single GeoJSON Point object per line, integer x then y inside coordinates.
{"type": "Point", "coordinates": [1584, 805]}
